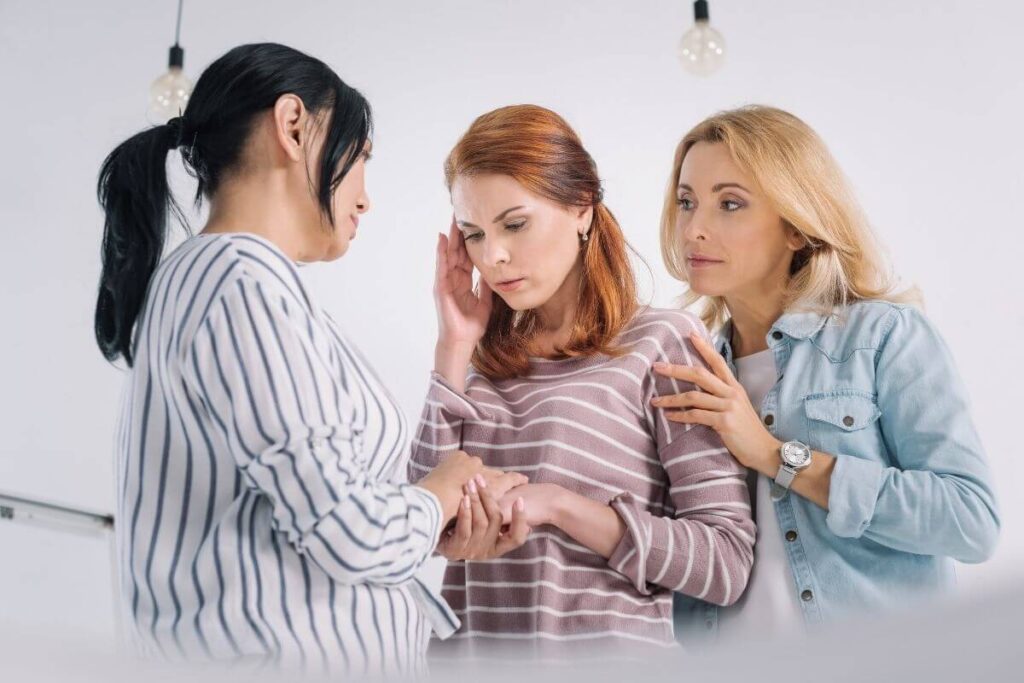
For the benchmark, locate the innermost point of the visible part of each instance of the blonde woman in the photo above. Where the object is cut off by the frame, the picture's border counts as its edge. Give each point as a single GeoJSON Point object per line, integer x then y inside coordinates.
{"type": "Point", "coordinates": [831, 387]}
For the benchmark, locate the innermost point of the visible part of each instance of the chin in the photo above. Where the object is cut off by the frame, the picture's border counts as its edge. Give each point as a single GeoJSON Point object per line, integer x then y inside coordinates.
{"type": "Point", "coordinates": [703, 287]}
{"type": "Point", "coordinates": [336, 251]}
{"type": "Point", "coordinates": [520, 302]}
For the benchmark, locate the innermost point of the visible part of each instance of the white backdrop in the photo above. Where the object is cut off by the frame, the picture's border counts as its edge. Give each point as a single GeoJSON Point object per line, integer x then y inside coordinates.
{"type": "Point", "coordinates": [920, 100]}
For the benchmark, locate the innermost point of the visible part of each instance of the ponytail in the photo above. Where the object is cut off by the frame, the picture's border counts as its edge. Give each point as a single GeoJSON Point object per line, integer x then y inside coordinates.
{"type": "Point", "coordinates": [136, 198]}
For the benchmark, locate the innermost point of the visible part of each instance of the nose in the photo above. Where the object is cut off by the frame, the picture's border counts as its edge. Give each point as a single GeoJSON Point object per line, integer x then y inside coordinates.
{"type": "Point", "coordinates": [495, 253]}
{"type": "Point", "coordinates": [693, 227]}
{"type": "Point", "coordinates": [363, 202]}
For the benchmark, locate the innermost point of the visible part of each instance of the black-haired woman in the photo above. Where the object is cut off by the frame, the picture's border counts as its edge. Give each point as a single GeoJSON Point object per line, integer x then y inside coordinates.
{"type": "Point", "coordinates": [259, 516]}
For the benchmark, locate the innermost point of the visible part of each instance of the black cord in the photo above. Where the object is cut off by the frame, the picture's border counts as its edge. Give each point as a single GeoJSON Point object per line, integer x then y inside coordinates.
{"type": "Point", "coordinates": [176, 56]}
{"type": "Point", "coordinates": [177, 30]}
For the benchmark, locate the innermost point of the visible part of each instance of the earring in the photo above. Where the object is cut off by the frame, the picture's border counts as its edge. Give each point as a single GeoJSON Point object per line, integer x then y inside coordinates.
{"type": "Point", "coordinates": [584, 237]}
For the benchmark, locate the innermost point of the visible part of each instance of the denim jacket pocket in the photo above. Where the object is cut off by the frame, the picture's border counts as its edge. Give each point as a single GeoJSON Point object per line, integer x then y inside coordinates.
{"type": "Point", "coordinates": [837, 421]}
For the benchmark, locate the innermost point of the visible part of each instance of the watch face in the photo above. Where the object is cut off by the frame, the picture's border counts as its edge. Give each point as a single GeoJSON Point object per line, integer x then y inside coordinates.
{"type": "Point", "coordinates": [796, 454]}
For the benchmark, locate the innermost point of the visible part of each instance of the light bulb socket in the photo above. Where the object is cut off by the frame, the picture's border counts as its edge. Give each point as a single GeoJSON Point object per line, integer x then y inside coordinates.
{"type": "Point", "coordinates": [176, 57]}
{"type": "Point", "coordinates": [700, 10]}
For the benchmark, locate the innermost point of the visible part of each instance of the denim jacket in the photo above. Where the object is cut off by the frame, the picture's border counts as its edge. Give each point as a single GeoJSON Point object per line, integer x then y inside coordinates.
{"type": "Point", "coordinates": [874, 385]}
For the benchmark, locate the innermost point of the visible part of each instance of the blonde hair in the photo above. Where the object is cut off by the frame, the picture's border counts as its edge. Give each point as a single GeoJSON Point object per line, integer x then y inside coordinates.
{"type": "Point", "coordinates": [840, 263]}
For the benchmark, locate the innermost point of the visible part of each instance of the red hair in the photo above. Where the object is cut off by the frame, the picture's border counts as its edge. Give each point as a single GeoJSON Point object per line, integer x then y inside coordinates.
{"type": "Point", "coordinates": [538, 149]}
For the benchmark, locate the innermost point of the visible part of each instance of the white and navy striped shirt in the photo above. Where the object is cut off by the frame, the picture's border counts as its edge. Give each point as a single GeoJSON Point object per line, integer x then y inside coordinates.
{"type": "Point", "coordinates": [259, 512]}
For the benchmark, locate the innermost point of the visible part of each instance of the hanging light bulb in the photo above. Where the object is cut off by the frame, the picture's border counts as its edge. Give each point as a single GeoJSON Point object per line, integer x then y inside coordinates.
{"type": "Point", "coordinates": [169, 93]}
{"type": "Point", "coordinates": [702, 48]}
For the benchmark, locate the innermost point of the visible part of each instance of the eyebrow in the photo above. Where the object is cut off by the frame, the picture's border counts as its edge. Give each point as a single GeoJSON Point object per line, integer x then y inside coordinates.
{"type": "Point", "coordinates": [467, 224]}
{"type": "Point", "coordinates": [716, 188]}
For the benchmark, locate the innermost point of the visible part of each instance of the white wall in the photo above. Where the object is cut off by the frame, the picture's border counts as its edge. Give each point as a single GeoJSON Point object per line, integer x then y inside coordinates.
{"type": "Point", "coordinates": [920, 100]}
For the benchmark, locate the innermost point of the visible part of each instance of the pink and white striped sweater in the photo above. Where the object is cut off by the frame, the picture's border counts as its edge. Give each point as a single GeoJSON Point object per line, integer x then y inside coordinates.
{"type": "Point", "coordinates": [586, 424]}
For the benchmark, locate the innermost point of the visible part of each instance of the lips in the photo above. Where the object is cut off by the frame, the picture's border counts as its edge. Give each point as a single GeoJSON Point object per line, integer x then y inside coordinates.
{"type": "Point", "coordinates": [510, 285]}
{"type": "Point", "coordinates": [701, 261]}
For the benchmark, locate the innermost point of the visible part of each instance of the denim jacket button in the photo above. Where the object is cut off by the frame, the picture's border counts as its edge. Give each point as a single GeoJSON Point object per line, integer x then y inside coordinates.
{"type": "Point", "coordinates": [791, 535]}
{"type": "Point", "coordinates": [807, 596]}
{"type": "Point", "coordinates": [769, 419]}
{"type": "Point", "coordinates": [776, 335]}
{"type": "Point", "coordinates": [848, 421]}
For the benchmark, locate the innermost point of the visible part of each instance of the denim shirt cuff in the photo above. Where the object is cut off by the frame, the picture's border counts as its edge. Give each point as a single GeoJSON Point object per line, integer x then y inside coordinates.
{"type": "Point", "coordinates": [853, 492]}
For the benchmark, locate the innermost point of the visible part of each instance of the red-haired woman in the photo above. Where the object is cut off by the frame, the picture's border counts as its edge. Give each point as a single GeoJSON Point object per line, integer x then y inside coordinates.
{"type": "Point", "coordinates": [546, 370]}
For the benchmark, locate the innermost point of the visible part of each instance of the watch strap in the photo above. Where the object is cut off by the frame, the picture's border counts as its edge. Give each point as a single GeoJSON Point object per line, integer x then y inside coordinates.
{"type": "Point", "coordinates": [783, 480]}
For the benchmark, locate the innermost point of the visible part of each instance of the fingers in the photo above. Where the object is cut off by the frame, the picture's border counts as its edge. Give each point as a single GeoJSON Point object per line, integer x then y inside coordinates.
{"type": "Point", "coordinates": [505, 482]}
{"type": "Point", "coordinates": [487, 520]}
{"type": "Point", "coordinates": [458, 257]}
{"type": "Point", "coordinates": [707, 418]}
{"type": "Point", "coordinates": [486, 294]}
{"type": "Point", "coordinates": [441, 264]}
{"type": "Point", "coordinates": [691, 399]}
{"type": "Point", "coordinates": [702, 377]}
{"type": "Point", "coordinates": [712, 358]}
{"type": "Point", "coordinates": [463, 531]}
{"type": "Point", "coordinates": [494, 519]}
{"type": "Point", "coordinates": [479, 515]}
{"type": "Point", "coordinates": [518, 530]}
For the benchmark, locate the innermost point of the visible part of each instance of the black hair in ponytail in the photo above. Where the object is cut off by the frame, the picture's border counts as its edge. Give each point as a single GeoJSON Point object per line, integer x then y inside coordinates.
{"type": "Point", "coordinates": [212, 132]}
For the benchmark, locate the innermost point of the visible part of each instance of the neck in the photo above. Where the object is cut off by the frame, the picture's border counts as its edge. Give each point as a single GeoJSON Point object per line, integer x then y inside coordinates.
{"type": "Point", "coordinates": [557, 315]}
{"type": "Point", "coordinates": [752, 317]}
{"type": "Point", "coordinates": [264, 205]}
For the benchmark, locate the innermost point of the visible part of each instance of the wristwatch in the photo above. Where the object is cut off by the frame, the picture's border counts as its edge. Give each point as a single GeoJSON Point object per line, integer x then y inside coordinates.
{"type": "Point", "coordinates": [796, 457]}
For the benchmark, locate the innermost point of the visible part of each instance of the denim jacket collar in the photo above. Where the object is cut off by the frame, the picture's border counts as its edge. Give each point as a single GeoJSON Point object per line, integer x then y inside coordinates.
{"type": "Point", "coordinates": [800, 325]}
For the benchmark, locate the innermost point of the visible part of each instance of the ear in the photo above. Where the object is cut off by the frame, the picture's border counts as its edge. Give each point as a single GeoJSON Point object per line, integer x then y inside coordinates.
{"type": "Point", "coordinates": [585, 214]}
{"type": "Point", "coordinates": [290, 118]}
{"type": "Point", "coordinates": [794, 238]}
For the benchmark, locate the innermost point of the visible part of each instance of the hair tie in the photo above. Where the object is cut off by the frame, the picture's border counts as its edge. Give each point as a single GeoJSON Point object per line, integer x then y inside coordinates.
{"type": "Point", "coordinates": [175, 126]}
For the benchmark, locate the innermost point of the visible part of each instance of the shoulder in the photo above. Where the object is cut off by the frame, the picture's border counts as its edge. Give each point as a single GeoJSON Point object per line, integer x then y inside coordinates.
{"type": "Point", "coordinates": [868, 325]}
{"type": "Point", "coordinates": [238, 276]}
{"type": "Point", "coordinates": [239, 261]}
{"type": "Point", "coordinates": [675, 323]}
{"type": "Point", "coordinates": [872, 320]}
{"type": "Point", "coordinates": [663, 333]}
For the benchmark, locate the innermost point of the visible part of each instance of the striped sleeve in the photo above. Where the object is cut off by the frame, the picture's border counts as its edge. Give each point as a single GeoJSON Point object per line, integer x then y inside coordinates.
{"type": "Point", "coordinates": [271, 388]}
{"type": "Point", "coordinates": [707, 549]}
{"type": "Point", "coordinates": [440, 430]}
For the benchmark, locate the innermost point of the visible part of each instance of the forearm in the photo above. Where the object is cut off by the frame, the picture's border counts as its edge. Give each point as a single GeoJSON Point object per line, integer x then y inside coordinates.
{"type": "Point", "coordinates": [921, 512]}
{"type": "Point", "coordinates": [592, 524]}
{"type": "Point", "coordinates": [451, 361]}
{"type": "Point", "coordinates": [378, 533]}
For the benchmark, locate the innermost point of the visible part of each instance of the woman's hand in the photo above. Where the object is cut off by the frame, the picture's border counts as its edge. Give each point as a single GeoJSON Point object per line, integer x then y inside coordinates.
{"type": "Point", "coordinates": [448, 479]}
{"type": "Point", "coordinates": [462, 314]}
{"type": "Point", "coordinates": [498, 483]}
{"type": "Point", "coordinates": [591, 523]}
{"type": "Point", "coordinates": [724, 406]}
{"type": "Point", "coordinates": [478, 533]}
{"type": "Point", "coordinates": [542, 502]}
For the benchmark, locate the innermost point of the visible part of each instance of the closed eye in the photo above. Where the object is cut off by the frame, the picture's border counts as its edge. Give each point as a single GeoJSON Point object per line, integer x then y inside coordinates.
{"type": "Point", "coordinates": [518, 225]}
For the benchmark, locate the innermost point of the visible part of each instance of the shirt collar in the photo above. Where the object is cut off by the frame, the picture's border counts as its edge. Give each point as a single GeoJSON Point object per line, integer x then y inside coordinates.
{"type": "Point", "coordinates": [802, 325]}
